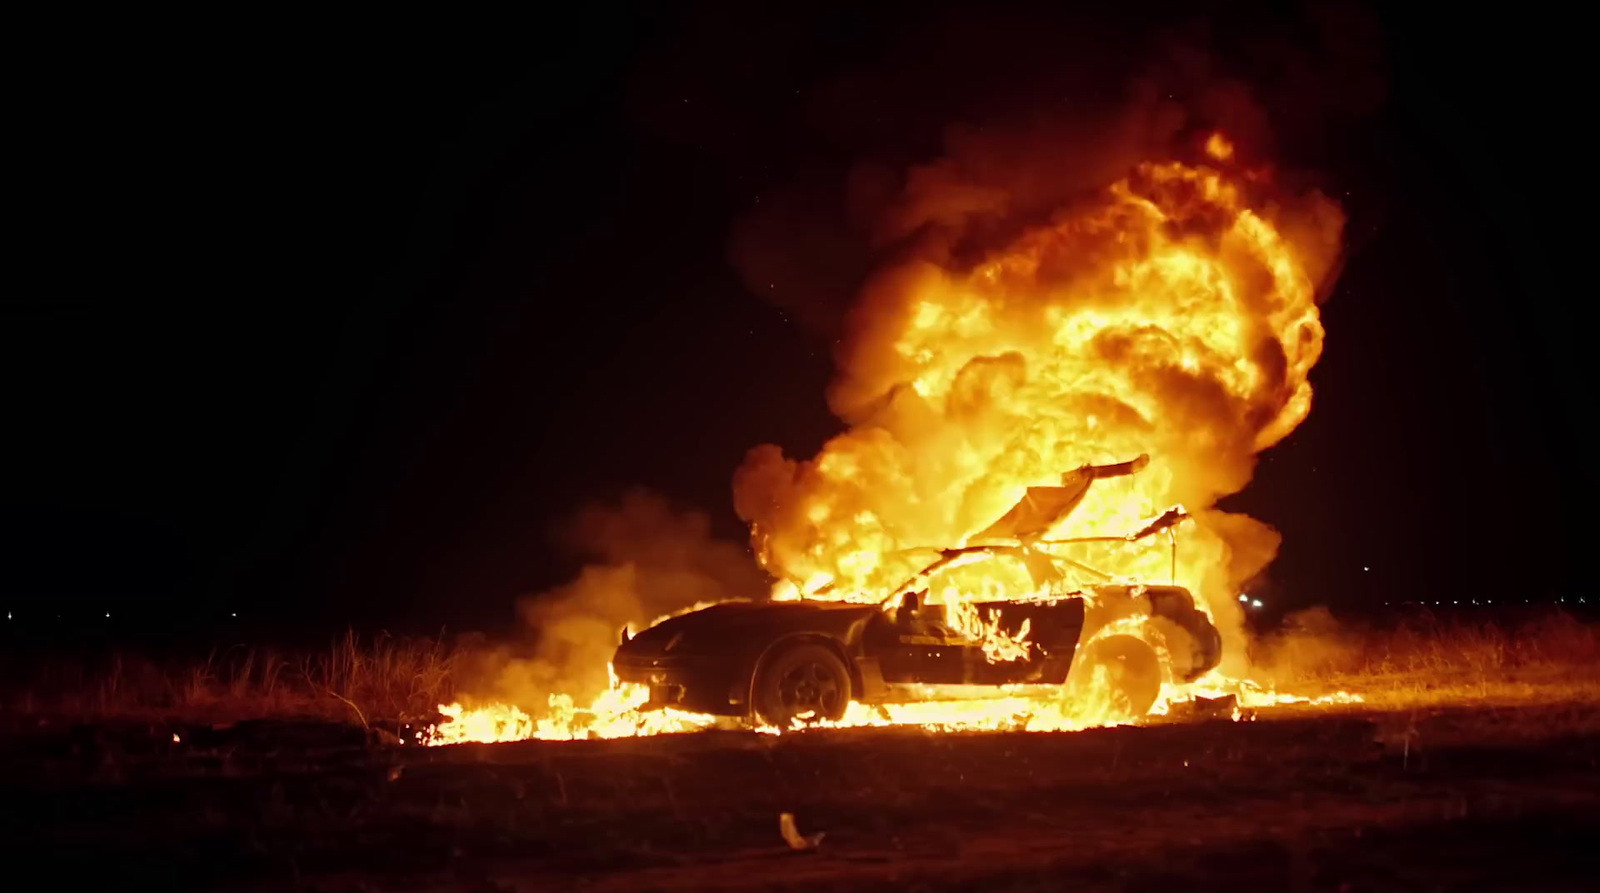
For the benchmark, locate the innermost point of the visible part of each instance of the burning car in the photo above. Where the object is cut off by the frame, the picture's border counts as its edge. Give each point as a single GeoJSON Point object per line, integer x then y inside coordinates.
{"type": "Point", "coordinates": [806, 660]}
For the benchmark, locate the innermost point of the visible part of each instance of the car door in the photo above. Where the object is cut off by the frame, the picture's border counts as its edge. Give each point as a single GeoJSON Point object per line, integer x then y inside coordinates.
{"type": "Point", "coordinates": [915, 646]}
{"type": "Point", "coordinates": [1053, 630]}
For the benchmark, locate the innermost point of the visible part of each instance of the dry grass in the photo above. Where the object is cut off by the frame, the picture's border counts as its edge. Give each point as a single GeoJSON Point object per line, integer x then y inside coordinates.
{"type": "Point", "coordinates": [353, 679]}
{"type": "Point", "coordinates": [1426, 659]}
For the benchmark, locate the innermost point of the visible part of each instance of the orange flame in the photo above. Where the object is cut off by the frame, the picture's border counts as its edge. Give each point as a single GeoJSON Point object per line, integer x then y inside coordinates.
{"type": "Point", "coordinates": [1219, 147]}
{"type": "Point", "coordinates": [1174, 313]}
{"type": "Point", "coordinates": [617, 714]}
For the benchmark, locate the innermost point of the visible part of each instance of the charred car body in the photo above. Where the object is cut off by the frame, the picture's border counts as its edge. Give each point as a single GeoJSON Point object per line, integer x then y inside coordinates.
{"type": "Point", "coordinates": [782, 661]}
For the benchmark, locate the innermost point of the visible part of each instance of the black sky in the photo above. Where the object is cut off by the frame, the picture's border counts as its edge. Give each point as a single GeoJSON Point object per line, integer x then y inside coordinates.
{"type": "Point", "coordinates": [339, 319]}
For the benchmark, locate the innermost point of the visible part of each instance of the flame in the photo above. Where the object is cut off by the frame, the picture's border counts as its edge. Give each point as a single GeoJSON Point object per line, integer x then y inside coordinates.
{"type": "Point", "coordinates": [1219, 147]}
{"type": "Point", "coordinates": [620, 713]}
{"type": "Point", "coordinates": [998, 645]}
{"type": "Point", "coordinates": [617, 714]}
{"type": "Point", "coordinates": [1173, 313]}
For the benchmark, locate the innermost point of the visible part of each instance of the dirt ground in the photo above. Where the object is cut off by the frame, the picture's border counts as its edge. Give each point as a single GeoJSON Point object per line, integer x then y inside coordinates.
{"type": "Point", "coordinates": [1468, 798]}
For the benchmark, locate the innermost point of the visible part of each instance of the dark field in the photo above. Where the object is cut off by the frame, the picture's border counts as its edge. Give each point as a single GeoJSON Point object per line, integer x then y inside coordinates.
{"type": "Point", "coordinates": [1449, 798]}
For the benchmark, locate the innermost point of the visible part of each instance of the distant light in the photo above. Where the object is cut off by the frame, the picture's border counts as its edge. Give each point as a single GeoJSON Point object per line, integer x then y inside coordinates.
{"type": "Point", "coordinates": [235, 614]}
{"type": "Point", "coordinates": [1244, 598]}
{"type": "Point", "coordinates": [1365, 568]}
{"type": "Point", "coordinates": [108, 615]}
{"type": "Point", "coordinates": [8, 615]}
{"type": "Point", "coordinates": [175, 738]}
{"type": "Point", "coordinates": [1256, 603]}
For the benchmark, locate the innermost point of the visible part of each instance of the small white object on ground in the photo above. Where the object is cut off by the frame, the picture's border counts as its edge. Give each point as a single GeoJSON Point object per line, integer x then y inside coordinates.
{"type": "Point", "coordinates": [792, 835]}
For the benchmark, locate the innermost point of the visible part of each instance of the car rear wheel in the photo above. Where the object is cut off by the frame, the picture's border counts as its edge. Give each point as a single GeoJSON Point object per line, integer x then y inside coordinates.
{"type": "Point", "coordinates": [806, 681]}
{"type": "Point", "coordinates": [1124, 670]}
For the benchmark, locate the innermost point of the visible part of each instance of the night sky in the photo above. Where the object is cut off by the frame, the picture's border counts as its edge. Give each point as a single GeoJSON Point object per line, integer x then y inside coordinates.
{"type": "Point", "coordinates": [337, 321]}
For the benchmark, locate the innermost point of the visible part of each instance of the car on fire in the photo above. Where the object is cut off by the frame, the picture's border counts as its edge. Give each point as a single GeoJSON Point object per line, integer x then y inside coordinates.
{"type": "Point", "coordinates": [783, 662]}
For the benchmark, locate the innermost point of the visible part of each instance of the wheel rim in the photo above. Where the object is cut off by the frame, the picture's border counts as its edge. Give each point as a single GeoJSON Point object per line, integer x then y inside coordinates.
{"type": "Point", "coordinates": [1122, 679]}
{"type": "Point", "coordinates": [809, 691]}
{"type": "Point", "coordinates": [1131, 673]}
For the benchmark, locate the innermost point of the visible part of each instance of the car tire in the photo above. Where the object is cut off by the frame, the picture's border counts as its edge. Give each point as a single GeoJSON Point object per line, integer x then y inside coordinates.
{"type": "Point", "coordinates": [1132, 674]}
{"type": "Point", "coordinates": [804, 681]}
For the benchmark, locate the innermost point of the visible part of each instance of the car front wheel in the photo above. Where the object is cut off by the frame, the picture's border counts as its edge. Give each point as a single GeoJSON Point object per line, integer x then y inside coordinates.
{"type": "Point", "coordinates": [806, 681]}
{"type": "Point", "coordinates": [1124, 670]}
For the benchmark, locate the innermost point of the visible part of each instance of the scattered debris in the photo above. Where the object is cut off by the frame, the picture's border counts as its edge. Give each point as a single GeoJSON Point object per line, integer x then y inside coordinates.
{"type": "Point", "coordinates": [1399, 734]}
{"type": "Point", "coordinates": [1201, 707]}
{"type": "Point", "coordinates": [1224, 707]}
{"type": "Point", "coordinates": [792, 835]}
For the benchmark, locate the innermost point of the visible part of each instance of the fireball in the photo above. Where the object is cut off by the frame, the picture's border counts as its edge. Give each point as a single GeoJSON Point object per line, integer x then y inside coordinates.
{"type": "Point", "coordinates": [1172, 312]}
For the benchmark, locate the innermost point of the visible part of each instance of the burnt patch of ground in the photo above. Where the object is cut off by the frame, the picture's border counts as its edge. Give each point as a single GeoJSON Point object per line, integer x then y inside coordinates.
{"type": "Point", "coordinates": [1468, 798]}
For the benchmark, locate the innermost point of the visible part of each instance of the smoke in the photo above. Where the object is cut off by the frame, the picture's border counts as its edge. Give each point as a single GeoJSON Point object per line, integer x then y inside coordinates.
{"type": "Point", "coordinates": [1027, 106]}
{"type": "Point", "coordinates": [1030, 313]}
{"type": "Point", "coordinates": [1310, 645]}
{"type": "Point", "coordinates": [853, 247]}
{"type": "Point", "coordinates": [804, 246]}
{"type": "Point", "coordinates": [644, 558]}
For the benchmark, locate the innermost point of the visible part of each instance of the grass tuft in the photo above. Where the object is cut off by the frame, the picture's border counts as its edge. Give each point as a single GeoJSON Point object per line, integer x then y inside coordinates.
{"type": "Point", "coordinates": [354, 679]}
{"type": "Point", "coordinates": [1426, 658]}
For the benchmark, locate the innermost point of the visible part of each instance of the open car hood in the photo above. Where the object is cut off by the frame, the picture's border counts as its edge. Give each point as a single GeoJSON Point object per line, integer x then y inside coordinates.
{"type": "Point", "coordinates": [1042, 508]}
{"type": "Point", "coordinates": [1018, 532]}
